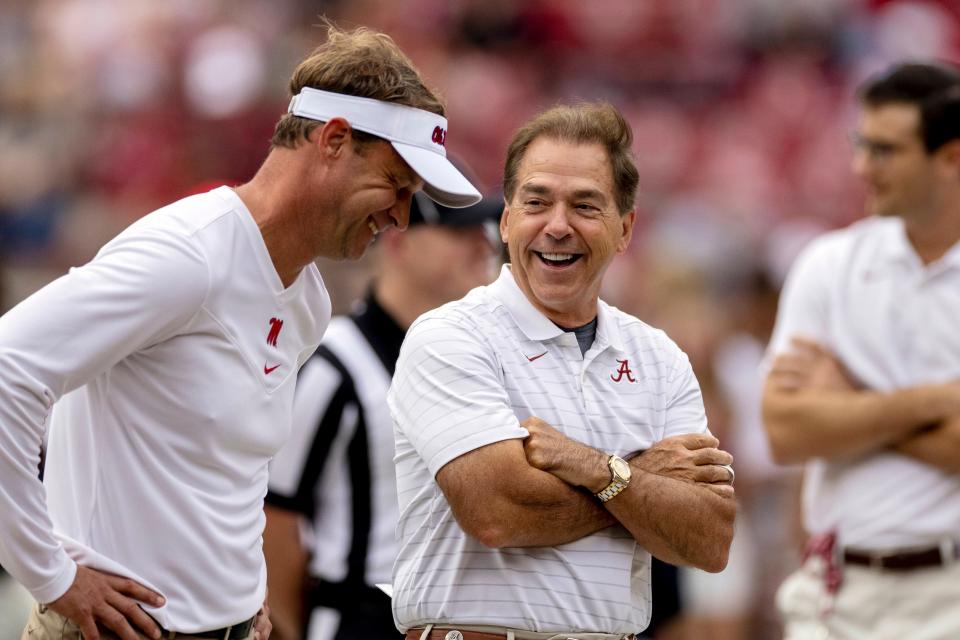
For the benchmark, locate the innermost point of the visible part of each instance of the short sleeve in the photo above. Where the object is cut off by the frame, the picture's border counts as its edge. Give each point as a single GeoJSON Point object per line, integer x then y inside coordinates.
{"type": "Point", "coordinates": [802, 311]}
{"type": "Point", "coordinates": [685, 412]}
{"type": "Point", "coordinates": [448, 395]}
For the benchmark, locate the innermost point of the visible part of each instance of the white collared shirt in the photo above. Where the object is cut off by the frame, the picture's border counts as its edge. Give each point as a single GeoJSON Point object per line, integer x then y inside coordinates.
{"type": "Point", "coordinates": [864, 294]}
{"type": "Point", "coordinates": [468, 374]}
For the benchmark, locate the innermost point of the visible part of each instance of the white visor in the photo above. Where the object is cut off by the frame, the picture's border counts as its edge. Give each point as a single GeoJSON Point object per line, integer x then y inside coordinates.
{"type": "Point", "coordinates": [417, 135]}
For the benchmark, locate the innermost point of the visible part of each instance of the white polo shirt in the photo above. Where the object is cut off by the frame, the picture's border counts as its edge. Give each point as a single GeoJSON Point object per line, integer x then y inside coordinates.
{"type": "Point", "coordinates": [468, 373]}
{"type": "Point", "coordinates": [864, 294]}
{"type": "Point", "coordinates": [170, 362]}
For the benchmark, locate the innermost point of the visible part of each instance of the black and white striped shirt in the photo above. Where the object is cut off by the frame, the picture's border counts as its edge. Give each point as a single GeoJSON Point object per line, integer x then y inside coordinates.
{"type": "Point", "coordinates": [337, 468]}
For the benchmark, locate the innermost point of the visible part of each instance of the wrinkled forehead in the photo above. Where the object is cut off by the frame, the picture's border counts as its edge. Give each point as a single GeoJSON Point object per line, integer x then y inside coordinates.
{"type": "Point", "coordinates": [568, 168]}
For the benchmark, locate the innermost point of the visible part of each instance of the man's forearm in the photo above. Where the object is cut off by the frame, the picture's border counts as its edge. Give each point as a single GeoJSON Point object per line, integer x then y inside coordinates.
{"type": "Point", "coordinates": [938, 446]}
{"type": "Point", "coordinates": [805, 424]}
{"type": "Point", "coordinates": [679, 522]}
{"type": "Point", "coordinates": [539, 510]}
{"type": "Point", "coordinates": [499, 498]}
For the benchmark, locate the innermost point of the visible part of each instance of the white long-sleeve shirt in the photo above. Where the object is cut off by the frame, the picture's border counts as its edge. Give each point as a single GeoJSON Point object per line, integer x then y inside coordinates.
{"type": "Point", "coordinates": [169, 362]}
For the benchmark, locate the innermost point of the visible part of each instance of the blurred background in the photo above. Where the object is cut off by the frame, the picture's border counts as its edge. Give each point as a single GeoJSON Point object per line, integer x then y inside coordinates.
{"type": "Point", "coordinates": [741, 111]}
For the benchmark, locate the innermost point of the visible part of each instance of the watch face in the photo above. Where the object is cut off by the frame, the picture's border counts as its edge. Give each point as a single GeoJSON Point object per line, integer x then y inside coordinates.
{"type": "Point", "coordinates": [620, 468]}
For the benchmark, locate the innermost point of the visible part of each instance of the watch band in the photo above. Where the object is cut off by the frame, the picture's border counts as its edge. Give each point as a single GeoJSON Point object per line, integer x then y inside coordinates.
{"type": "Point", "coordinates": [612, 490]}
{"type": "Point", "coordinates": [619, 478]}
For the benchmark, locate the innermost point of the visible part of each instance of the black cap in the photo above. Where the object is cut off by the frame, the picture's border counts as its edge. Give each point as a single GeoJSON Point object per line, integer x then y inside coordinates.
{"type": "Point", "coordinates": [423, 210]}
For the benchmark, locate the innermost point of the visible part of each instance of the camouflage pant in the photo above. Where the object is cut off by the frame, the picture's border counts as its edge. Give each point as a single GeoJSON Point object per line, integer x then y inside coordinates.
{"type": "Point", "coordinates": [45, 624]}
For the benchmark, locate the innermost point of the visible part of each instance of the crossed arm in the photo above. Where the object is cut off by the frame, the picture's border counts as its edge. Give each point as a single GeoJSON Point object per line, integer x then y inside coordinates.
{"type": "Point", "coordinates": [538, 492]}
{"type": "Point", "coordinates": [813, 408]}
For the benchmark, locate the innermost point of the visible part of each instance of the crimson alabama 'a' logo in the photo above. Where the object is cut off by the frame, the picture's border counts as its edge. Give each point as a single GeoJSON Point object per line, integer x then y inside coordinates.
{"type": "Point", "coordinates": [275, 325]}
{"type": "Point", "coordinates": [439, 136]}
{"type": "Point", "coordinates": [624, 370]}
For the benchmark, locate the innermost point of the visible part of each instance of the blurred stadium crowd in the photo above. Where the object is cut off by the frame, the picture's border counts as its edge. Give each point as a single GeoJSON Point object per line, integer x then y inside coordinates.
{"type": "Point", "coordinates": [741, 112]}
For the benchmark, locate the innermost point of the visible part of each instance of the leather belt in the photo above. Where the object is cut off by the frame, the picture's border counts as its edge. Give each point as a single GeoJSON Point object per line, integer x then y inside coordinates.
{"type": "Point", "coordinates": [451, 633]}
{"type": "Point", "coordinates": [904, 560]}
{"type": "Point", "coordinates": [442, 634]}
{"type": "Point", "coordinates": [237, 631]}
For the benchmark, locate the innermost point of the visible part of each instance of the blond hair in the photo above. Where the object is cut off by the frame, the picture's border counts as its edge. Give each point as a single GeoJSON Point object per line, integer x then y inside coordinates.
{"type": "Point", "coordinates": [361, 63]}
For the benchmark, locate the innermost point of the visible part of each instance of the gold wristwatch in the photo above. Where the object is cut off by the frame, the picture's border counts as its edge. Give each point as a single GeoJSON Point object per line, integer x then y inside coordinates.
{"type": "Point", "coordinates": [619, 477]}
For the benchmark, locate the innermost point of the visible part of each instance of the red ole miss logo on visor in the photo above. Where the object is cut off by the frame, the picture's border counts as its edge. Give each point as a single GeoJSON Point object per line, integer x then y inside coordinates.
{"type": "Point", "coordinates": [439, 136]}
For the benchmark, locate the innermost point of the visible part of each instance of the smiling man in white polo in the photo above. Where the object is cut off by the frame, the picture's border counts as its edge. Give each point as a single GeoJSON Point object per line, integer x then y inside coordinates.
{"type": "Point", "coordinates": [547, 443]}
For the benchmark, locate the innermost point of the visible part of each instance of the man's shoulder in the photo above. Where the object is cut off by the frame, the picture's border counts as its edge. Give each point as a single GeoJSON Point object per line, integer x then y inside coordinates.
{"type": "Point", "coordinates": [837, 244]}
{"type": "Point", "coordinates": [633, 329]}
{"type": "Point", "coordinates": [473, 311]}
{"type": "Point", "coordinates": [188, 215]}
{"type": "Point", "coordinates": [173, 227]}
{"type": "Point", "coordinates": [642, 342]}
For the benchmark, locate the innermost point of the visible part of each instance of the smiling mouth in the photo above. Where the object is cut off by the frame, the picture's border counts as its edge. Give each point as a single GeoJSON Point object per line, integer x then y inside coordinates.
{"type": "Point", "coordinates": [558, 259]}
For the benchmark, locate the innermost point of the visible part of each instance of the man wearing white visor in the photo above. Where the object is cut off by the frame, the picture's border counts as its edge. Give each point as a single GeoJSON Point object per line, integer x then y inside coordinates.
{"type": "Point", "coordinates": [163, 371]}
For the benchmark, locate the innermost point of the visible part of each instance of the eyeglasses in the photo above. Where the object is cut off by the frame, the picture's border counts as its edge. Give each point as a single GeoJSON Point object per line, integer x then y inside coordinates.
{"type": "Point", "coordinates": [877, 151]}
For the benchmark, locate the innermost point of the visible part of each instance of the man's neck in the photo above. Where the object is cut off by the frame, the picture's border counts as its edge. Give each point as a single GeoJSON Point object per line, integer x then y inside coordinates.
{"type": "Point", "coordinates": [264, 198]}
{"type": "Point", "coordinates": [934, 235]}
{"type": "Point", "coordinates": [403, 301]}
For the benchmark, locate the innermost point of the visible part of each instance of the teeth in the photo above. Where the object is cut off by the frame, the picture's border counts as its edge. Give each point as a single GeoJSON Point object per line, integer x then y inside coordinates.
{"type": "Point", "coordinates": [373, 227]}
{"type": "Point", "coordinates": [557, 257]}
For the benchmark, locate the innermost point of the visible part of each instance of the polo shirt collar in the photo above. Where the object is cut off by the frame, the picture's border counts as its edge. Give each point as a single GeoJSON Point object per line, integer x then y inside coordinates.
{"type": "Point", "coordinates": [897, 247]}
{"type": "Point", "coordinates": [898, 250]}
{"type": "Point", "coordinates": [537, 326]}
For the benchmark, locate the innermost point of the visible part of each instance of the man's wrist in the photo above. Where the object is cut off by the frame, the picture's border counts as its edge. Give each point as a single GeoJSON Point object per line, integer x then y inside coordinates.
{"type": "Point", "coordinates": [599, 473]}
{"type": "Point", "coordinates": [620, 474]}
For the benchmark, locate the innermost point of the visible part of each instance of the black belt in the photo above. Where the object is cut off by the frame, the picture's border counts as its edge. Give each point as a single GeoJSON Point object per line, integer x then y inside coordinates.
{"type": "Point", "coordinates": [237, 631]}
{"type": "Point", "coordinates": [904, 560]}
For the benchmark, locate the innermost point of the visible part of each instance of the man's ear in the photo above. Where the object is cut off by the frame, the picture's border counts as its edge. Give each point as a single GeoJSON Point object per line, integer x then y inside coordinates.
{"type": "Point", "coordinates": [948, 156]}
{"type": "Point", "coordinates": [627, 220]}
{"type": "Point", "coordinates": [504, 222]}
{"type": "Point", "coordinates": [333, 136]}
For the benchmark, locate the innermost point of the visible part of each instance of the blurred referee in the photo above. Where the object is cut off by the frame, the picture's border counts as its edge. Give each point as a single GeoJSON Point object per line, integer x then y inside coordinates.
{"type": "Point", "coordinates": [336, 474]}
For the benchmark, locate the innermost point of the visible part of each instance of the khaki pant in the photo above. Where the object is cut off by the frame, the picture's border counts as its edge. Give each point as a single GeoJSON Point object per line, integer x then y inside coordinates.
{"type": "Point", "coordinates": [45, 624]}
{"type": "Point", "coordinates": [923, 604]}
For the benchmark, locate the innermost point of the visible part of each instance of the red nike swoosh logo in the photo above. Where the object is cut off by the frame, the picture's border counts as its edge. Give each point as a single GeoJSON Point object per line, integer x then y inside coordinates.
{"type": "Point", "coordinates": [536, 357]}
{"type": "Point", "coordinates": [268, 370]}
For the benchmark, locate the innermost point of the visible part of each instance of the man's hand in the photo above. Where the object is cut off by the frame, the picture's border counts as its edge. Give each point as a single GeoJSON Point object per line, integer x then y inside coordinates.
{"type": "Point", "coordinates": [691, 457]}
{"type": "Point", "coordinates": [808, 365]}
{"type": "Point", "coordinates": [262, 625]}
{"type": "Point", "coordinates": [110, 601]}
{"type": "Point", "coordinates": [573, 462]}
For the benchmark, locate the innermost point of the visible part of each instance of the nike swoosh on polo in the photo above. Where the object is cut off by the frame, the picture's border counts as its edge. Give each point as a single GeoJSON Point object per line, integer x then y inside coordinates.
{"type": "Point", "coordinates": [536, 357]}
{"type": "Point", "coordinates": [268, 370]}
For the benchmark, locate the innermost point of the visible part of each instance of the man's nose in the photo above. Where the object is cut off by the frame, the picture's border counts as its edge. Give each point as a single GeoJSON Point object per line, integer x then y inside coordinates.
{"type": "Point", "coordinates": [861, 163]}
{"type": "Point", "coordinates": [400, 211]}
{"type": "Point", "coordinates": [558, 223]}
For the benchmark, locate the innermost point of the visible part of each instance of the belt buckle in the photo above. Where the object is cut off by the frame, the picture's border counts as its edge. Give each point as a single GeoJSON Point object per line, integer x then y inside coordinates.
{"type": "Point", "coordinates": [239, 630]}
